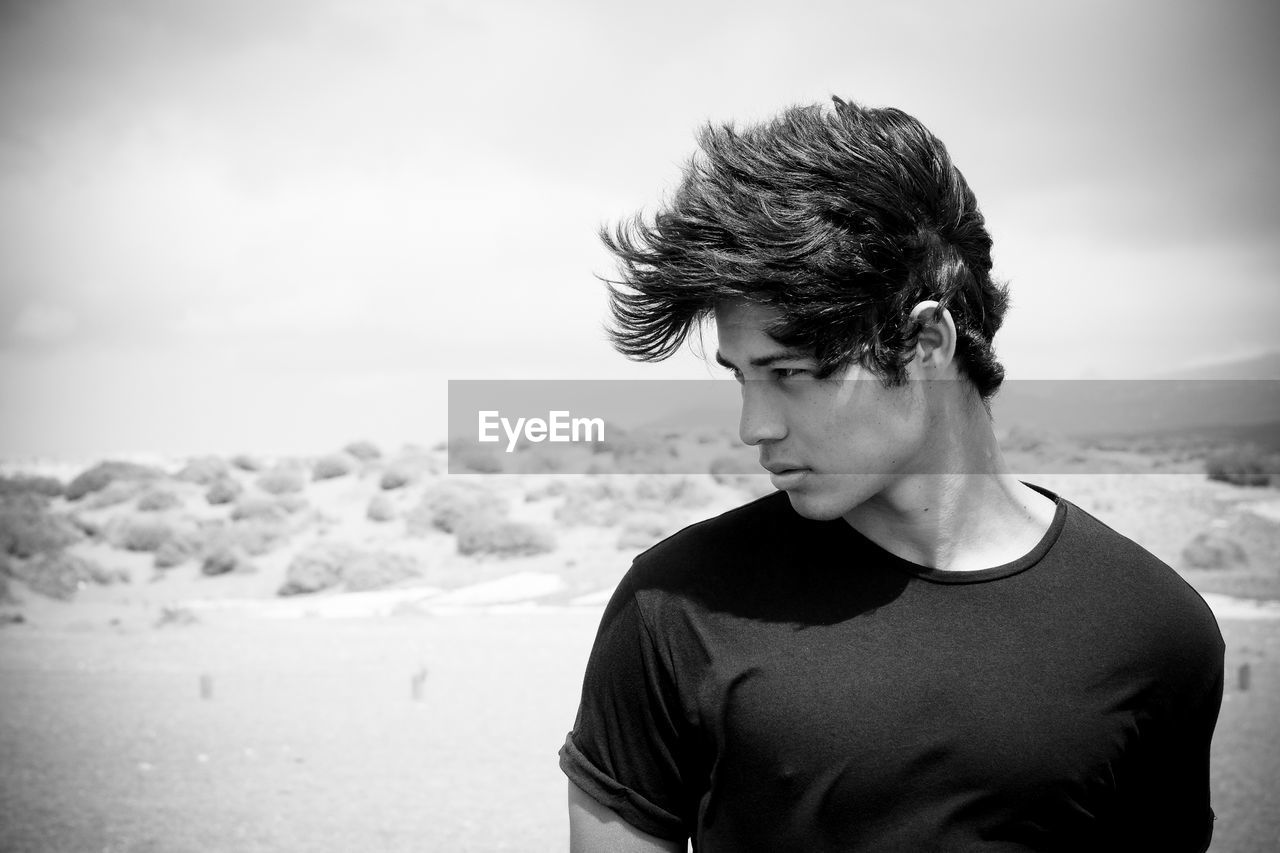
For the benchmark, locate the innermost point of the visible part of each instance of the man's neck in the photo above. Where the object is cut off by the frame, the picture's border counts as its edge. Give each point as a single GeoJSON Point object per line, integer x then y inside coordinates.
{"type": "Point", "coordinates": [961, 510]}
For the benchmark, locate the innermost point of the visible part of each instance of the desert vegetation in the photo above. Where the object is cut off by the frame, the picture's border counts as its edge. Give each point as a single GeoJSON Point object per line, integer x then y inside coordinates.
{"type": "Point", "coordinates": [502, 537]}
{"type": "Point", "coordinates": [223, 490]}
{"type": "Point", "coordinates": [387, 519]}
{"type": "Point", "coordinates": [28, 528]}
{"type": "Point", "coordinates": [325, 565]}
{"type": "Point", "coordinates": [1246, 465]}
{"type": "Point", "coordinates": [334, 465]}
{"type": "Point", "coordinates": [447, 504]}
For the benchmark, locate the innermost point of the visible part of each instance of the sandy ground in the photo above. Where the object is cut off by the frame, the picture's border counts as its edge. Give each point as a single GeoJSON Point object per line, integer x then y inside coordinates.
{"type": "Point", "coordinates": [310, 737]}
{"type": "Point", "coordinates": [292, 724]}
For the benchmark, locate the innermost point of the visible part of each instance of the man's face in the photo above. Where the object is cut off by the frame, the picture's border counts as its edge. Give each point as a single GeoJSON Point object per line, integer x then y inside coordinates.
{"type": "Point", "coordinates": [831, 443]}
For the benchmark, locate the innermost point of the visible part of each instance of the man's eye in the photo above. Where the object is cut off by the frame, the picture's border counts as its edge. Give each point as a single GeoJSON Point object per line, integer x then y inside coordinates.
{"type": "Point", "coordinates": [789, 372]}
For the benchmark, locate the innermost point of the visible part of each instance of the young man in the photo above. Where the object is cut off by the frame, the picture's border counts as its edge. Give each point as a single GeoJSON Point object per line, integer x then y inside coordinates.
{"type": "Point", "coordinates": [904, 648]}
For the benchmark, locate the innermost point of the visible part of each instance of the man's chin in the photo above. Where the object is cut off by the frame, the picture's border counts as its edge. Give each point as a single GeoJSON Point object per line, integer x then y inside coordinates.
{"type": "Point", "coordinates": [813, 507]}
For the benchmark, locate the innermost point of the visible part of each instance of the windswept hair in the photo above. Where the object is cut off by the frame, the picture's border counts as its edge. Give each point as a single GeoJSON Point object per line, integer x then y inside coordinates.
{"type": "Point", "coordinates": [841, 220]}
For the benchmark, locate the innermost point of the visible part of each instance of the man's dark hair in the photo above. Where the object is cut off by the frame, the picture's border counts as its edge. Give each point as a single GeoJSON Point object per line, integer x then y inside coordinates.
{"type": "Point", "coordinates": [842, 220]}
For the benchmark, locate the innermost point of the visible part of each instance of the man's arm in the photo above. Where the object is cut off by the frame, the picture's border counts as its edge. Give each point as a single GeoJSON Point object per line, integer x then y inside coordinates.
{"type": "Point", "coordinates": [594, 828]}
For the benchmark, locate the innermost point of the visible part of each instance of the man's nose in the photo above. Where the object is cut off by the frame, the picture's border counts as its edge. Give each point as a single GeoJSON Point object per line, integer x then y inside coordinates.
{"type": "Point", "coordinates": [761, 417]}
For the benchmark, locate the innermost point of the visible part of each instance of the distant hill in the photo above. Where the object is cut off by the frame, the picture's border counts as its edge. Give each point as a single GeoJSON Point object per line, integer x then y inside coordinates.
{"type": "Point", "coordinates": [1189, 443]}
{"type": "Point", "coordinates": [1265, 366]}
{"type": "Point", "coordinates": [1236, 400]}
{"type": "Point", "coordinates": [1115, 407]}
{"type": "Point", "coordinates": [1077, 407]}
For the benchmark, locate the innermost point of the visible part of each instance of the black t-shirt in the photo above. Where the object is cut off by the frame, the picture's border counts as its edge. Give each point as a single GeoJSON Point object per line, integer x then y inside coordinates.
{"type": "Point", "coordinates": [762, 681]}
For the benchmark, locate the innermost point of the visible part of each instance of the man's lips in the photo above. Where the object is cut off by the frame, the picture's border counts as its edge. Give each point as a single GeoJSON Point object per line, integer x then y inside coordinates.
{"type": "Point", "coordinates": [785, 476]}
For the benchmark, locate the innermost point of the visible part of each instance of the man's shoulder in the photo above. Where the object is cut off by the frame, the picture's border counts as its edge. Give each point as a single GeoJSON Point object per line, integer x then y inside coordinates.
{"type": "Point", "coordinates": [740, 535]}
{"type": "Point", "coordinates": [1131, 576]}
{"type": "Point", "coordinates": [1087, 537]}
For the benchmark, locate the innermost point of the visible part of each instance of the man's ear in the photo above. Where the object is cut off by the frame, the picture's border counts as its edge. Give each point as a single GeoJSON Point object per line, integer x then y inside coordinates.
{"type": "Point", "coordinates": [935, 345]}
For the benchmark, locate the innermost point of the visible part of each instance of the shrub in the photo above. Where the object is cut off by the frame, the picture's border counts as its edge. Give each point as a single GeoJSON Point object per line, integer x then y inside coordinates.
{"type": "Point", "coordinates": [114, 494]}
{"type": "Point", "coordinates": [333, 465]}
{"type": "Point", "coordinates": [447, 503]}
{"type": "Point", "coordinates": [223, 561]}
{"type": "Point", "coordinates": [316, 568]}
{"type": "Point", "coordinates": [138, 534]}
{"type": "Point", "coordinates": [381, 509]}
{"type": "Point", "coordinates": [641, 452]}
{"type": "Point", "coordinates": [501, 537]}
{"type": "Point", "coordinates": [24, 502]}
{"type": "Point", "coordinates": [245, 462]}
{"type": "Point", "coordinates": [257, 507]}
{"type": "Point", "coordinates": [365, 451]}
{"type": "Point", "coordinates": [175, 615]}
{"type": "Point", "coordinates": [608, 502]}
{"type": "Point", "coordinates": [327, 564]}
{"type": "Point", "coordinates": [257, 537]}
{"type": "Point", "coordinates": [101, 475]}
{"type": "Point", "coordinates": [400, 474]}
{"type": "Point", "coordinates": [378, 569]}
{"type": "Point", "coordinates": [60, 575]}
{"type": "Point", "coordinates": [549, 459]}
{"type": "Point", "coordinates": [27, 528]}
{"type": "Point", "coordinates": [407, 466]}
{"type": "Point", "coordinates": [158, 500]}
{"type": "Point", "coordinates": [1214, 551]}
{"type": "Point", "coordinates": [282, 481]}
{"type": "Point", "coordinates": [172, 553]}
{"type": "Point", "coordinates": [223, 491]}
{"type": "Point", "coordinates": [254, 537]}
{"type": "Point", "coordinates": [597, 502]}
{"type": "Point", "coordinates": [92, 529]}
{"type": "Point", "coordinates": [22, 484]}
{"type": "Point", "coordinates": [480, 460]}
{"type": "Point", "coordinates": [204, 470]}
{"type": "Point", "coordinates": [1246, 465]}
{"type": "Point", "coordinates": [179, 548]}
{"type": "Point", "coordinates": [395, 477]}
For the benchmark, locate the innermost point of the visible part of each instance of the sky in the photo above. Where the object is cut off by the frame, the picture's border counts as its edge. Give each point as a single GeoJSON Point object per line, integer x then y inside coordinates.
{"type": "Point", "coordinates": [282, 225]}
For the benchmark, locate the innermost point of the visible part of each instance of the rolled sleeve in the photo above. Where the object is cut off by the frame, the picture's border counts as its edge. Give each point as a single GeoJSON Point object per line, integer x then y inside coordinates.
{"type": "Point", "coordinates": [626, 747]}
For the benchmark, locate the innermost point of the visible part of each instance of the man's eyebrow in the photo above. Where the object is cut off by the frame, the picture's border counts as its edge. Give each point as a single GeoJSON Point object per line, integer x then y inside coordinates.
{"type": "Point", "coordinates": [766, 360]}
